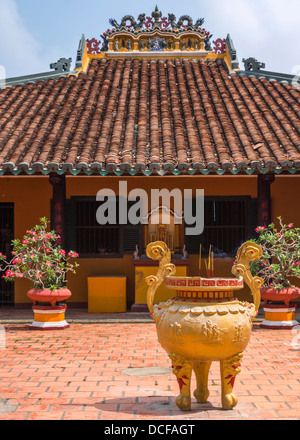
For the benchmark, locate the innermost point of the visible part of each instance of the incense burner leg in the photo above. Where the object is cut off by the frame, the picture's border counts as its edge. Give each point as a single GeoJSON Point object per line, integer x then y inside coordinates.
{"type": "Point", "coordinates": [182, 369]}
{"type": "Point", "coordinates": [229, 369]}
{"type": "Point", "coordinates": [201, 370]}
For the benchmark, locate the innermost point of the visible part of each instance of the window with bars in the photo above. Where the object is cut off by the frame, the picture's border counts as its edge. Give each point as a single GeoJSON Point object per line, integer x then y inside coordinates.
{"type": "Point", "coordinates": [228, 222]}
{"type": "Point", "coordinates": [92, 240]}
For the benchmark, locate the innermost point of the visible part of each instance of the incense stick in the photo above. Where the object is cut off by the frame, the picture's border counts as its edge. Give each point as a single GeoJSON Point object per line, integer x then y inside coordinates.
{"type": "Point", "coordinates": [200, 251]}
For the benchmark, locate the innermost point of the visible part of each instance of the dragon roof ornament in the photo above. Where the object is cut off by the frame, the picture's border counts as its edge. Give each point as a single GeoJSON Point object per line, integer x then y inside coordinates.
{"type": "Point", "coordinates": [169, 27]}
{"type": "Point", "coordinates": [156, 21]}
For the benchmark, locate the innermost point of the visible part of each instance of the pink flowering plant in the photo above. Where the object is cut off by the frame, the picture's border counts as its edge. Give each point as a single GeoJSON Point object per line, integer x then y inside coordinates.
{"type": "Point", "coordinates": [281, 254]}
{"type": "Point", "coordinates": [39, 258]}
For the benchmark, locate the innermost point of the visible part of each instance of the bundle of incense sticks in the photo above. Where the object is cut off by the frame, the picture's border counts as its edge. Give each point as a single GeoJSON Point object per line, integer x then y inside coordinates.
{"type": "Point", "coordinates": [209, 265]}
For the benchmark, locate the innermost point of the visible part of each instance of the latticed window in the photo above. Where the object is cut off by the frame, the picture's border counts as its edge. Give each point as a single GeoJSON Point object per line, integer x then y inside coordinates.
{"type": "Point", "coordinates": [228, 222]}
{"type": "Point", "coordinates": [90, 239]}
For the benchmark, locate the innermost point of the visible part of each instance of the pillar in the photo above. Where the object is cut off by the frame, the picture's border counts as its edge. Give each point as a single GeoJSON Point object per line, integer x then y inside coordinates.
{"type": "Point", "coordinates": [58, 217]}
{"type": "Point", "coordinates": [264, 203]}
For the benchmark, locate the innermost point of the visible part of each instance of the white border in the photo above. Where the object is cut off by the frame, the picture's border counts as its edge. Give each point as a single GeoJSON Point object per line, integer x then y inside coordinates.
{"type": "Point", "coordinates": [154, 54]}
{"type": "Point", "coordinates": [280, 323]}
{"type": "Point", "coordinates": [48, 312]}
{"type": "Point", "coordinates": [283, 310]}
{"type": "Point", "coordinates": [49, 324]}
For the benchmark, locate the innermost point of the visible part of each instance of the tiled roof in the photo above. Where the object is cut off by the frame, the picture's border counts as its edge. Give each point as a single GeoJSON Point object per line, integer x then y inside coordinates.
{"type": "Point", "coordinates": [145, 115]}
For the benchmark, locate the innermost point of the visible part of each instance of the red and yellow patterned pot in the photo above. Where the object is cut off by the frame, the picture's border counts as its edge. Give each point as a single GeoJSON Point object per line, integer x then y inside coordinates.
{"type": "Point", "coordinates": [285, 295]}
{"type": "Point", "coordinates": [204, 322]}
{"type": "Point", "coordinates": [279, 315]}
{"type": "Point", "coordinates": [49, 317]}
{"type": "Point", "coordinates": [48, 296]}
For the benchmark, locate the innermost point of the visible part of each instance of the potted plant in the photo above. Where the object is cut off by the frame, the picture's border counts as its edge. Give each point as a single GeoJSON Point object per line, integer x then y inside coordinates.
{"type": "Point", "coordinates": [39, 258]}
{"type": "Point", "coordinates": [280, 264]}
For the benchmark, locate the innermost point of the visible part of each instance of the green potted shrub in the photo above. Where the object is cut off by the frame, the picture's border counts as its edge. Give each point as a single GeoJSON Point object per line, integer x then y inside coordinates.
{"type": "Point", "coordinates": [279, 266]}
{"type": "Point", "coordinates": [39, 258]}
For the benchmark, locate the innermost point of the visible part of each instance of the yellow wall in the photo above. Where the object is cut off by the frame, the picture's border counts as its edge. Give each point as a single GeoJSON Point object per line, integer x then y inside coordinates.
{"type": "Point", "coordinates": [219, 185]}
{"type": "Point", "coordinates": [286, 199]}
{"type": "Point", "coordinates": [31, 197]}
{"type": "Point", "coordinates": [32, 194]}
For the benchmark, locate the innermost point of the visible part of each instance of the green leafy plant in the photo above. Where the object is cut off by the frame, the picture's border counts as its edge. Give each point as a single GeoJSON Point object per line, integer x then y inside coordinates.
{"type": "Point", "coordinates": [281, 254]}
{"type": "Point", "coordinates": [39, 258]}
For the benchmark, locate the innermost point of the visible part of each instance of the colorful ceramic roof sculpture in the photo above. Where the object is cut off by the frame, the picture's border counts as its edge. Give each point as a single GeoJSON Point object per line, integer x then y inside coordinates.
{"type": "Point", "coordinates": [155, 95]}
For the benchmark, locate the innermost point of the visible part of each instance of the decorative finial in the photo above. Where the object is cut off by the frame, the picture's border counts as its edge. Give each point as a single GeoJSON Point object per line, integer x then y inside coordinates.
{"type": "Point", "coordinates": [156, 15]}
{"type": "Point", "coordinates": [62, 65]}
{"type": "Point", "coordinates": [252, 65]}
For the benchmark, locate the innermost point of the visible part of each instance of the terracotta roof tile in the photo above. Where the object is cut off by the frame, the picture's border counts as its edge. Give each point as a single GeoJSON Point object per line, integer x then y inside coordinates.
{"type": "Point", "coordinates": [156, 113]}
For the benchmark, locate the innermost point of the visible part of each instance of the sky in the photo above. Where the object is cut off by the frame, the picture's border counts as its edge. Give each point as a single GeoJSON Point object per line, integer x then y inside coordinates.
{"type": "Point", "coordinates": [36, 33]}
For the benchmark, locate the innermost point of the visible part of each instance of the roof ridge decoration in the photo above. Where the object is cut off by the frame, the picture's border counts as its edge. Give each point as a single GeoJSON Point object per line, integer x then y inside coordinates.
{"type": "Point", "coordinates": [252, 67]}
{"type": "Point", "coordinates": [61, 68]}
{"type": "Point", "coordinates": [158, 36]}
{"type": "Point", "coordinates": [154, 22]}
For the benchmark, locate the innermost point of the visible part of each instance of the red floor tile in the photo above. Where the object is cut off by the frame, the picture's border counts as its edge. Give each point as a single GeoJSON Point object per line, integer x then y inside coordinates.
{"type": "Point", "coordinates": [77, 374]}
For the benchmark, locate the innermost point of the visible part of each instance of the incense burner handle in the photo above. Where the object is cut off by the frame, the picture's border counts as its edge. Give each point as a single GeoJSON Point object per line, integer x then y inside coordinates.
{"type": "Point", "coordinates": [247, 253]}
{"type": "Point", "coordinates": [158, 251]}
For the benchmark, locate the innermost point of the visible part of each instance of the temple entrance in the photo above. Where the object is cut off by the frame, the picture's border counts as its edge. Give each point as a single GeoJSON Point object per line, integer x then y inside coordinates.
{"type": "Point", "coordinates": [7, 289]}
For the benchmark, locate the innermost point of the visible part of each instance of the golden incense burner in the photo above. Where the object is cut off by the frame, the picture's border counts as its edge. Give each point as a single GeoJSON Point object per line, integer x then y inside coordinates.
{"type": "Point", "coordinates": [204, 322]}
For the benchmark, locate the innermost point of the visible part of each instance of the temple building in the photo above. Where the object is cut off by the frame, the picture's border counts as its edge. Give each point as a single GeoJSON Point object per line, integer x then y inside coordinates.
{"type": "Point", "coordinates": [157, 103]}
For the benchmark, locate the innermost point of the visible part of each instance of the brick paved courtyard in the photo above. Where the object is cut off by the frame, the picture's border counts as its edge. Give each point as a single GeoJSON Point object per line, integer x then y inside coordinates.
{"type": "Point", "coordinates": [78, 374]}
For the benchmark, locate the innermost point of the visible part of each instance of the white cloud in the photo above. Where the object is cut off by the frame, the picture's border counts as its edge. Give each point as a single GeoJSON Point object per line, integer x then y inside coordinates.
{"type": "Point", "coordinates": [238, 16]}
{"type": "Point", "coordinates": [265, 29]}
{"type": "Point", "coordinates": [284, 15]}
{"type": "Point", "coordinates": [20, 52]}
